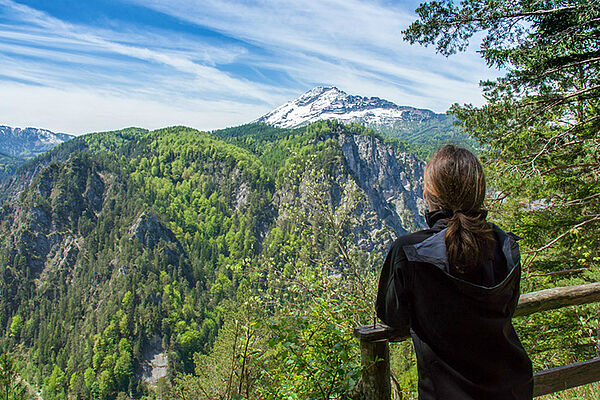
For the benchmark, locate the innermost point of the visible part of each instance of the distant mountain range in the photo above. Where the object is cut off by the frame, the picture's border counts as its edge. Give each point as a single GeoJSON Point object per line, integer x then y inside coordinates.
{"type": "Point", "coordinates": [28, 142]}
{"type": "Point", "coordinates": [19, 145]}
{"type": "Point", "coordinates": [421, 130]}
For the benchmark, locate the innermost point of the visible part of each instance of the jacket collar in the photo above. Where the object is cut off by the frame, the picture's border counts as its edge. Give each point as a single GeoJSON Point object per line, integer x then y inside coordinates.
{"type": "Point", "coordinates": [438, 219]}
{"type": "Point", "coordinates": [433, 249]}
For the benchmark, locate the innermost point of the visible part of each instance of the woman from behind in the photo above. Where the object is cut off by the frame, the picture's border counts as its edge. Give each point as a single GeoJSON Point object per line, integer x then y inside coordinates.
{"type": "Point", "coordinates": [456, 285]}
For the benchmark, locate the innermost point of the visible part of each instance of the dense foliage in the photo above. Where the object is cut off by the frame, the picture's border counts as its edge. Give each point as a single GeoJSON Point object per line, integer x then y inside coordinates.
{"type": "Point", "coordinates": [126, 244]}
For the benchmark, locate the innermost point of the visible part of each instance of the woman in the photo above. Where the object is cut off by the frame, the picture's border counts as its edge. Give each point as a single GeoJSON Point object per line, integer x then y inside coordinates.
{"type": "Point", "coordinates": [456, 285]}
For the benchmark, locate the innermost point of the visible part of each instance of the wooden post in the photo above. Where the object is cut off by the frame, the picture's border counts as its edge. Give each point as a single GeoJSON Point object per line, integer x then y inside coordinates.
{"type": "Point", "coordinates": [598, 336]}
{"type": "Point", "coordinates": [376, 383]}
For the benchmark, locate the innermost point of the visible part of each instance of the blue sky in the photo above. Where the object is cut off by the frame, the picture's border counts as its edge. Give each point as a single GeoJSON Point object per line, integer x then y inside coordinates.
{"type": "Point", "coordinates": [80, 66]}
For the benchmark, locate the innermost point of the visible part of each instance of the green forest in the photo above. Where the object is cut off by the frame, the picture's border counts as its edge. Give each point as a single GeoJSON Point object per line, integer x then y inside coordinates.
{"type": "Point", "coordinates": [227, 274]}
{"type": "Point", "coordinates": [236, 254]}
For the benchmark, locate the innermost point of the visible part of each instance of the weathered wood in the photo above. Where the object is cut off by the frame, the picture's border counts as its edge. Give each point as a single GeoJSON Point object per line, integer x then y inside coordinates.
{"type": "Point", "coordinates": [529, 303]}
{"type": "Point", "coordinates": [566, 377]}
{"type": "Point", "coordinates": [549, 299]}
{"type": "Point", "coordinates": [379, 331]}
{"type": "Point", "coordinates": [375, 380]}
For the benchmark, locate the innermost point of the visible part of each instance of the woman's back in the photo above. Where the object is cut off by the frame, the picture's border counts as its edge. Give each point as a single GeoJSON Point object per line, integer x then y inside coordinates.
{"type": "Point", "coordinates": [459, 314]}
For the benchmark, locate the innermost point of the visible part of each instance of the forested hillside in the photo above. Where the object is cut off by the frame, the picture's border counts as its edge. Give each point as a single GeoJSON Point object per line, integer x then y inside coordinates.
{"type": "Point", "coordinates": [120, 246]}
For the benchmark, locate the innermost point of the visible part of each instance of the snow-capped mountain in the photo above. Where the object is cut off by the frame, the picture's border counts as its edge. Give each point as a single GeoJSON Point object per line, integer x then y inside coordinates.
{"type": "Point", "coordinates": [28, 142]}
{"type": "Point", "coordinates": [332, 103]}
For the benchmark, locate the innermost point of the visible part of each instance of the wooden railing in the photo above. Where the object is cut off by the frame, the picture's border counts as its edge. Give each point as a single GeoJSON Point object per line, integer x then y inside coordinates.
{"type": "Point", "coordinates": [375, 383]}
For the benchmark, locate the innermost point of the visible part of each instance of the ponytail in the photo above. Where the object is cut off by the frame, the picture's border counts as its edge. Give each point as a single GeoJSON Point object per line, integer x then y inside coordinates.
{"type": "Point", "coordinates": [469, 239]}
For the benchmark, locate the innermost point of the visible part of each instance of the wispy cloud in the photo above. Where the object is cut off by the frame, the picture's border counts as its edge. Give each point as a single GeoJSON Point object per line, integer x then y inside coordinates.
{"type": "Point", "coordinates": [202, 76]}
{"type": "Point", "coordinates": [359, 39]}
{"type": "Point", "coordinates": [243, 59]}
{"type": "Point", "coordinates": [83, 110]}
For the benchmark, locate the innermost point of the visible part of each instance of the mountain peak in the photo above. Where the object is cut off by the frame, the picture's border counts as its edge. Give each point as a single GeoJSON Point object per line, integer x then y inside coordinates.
{"type": "Point", "coordinates": [329, 102]}
{"type": "Point", "coordinates": [323, 89]}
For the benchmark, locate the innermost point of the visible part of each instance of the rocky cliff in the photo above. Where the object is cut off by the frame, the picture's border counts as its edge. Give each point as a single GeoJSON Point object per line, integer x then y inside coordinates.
{"type": "Point", "coordinates": [355, 186]}
{"type": "Point", "coordinates": [392, 181]}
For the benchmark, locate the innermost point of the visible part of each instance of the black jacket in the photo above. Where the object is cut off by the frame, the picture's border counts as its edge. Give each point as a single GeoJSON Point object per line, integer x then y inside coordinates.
{"type": "Point", "coordinates": [461, 326]}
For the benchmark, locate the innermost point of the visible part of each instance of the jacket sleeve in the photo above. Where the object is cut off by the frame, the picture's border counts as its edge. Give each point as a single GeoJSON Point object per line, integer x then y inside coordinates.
{"type": "Point", "coordinates": [391, 304]}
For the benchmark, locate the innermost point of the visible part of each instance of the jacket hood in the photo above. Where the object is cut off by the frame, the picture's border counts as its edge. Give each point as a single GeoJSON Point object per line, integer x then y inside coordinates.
{"type": "Point", "coordinates": [433, 251]}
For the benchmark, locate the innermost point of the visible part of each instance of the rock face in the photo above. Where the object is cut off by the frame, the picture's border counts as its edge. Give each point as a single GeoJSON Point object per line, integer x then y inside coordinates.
{"type": "Point", "coordinates": [391, 181]}
{"type": "Point", "coordinates": [332, 103]}
{"type": "Point", "coordinates": [150, 232]}
{"type": "Point", "coordinates": [28, 142]}
{"type": "Point", "coordinates": [60, 205]}
{"type": "Point", "coordinates": [371, 192]}
{"type": "Point", "coordinates": [155, 362]}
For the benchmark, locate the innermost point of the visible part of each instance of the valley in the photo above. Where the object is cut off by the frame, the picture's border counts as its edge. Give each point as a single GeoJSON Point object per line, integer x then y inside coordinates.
{"type": "Point", "coordinates": [114, 241]}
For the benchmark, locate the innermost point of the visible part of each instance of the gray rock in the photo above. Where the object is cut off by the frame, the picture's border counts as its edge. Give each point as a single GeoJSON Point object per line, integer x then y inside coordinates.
{"type": "Point", "coordinates": [391, 181]}
{"type": "Point", "coordinates": [94, 192]}
{"type": "Point", "coordinates": [150, 232]}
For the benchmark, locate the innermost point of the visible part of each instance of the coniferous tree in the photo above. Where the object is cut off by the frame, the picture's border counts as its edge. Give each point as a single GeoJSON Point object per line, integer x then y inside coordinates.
{"type": "Point", "coordinates": [11, 386]}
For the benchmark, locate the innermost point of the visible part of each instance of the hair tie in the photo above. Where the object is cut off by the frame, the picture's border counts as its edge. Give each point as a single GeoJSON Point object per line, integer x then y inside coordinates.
{"type": "Point", "coordinates": [482, 214]}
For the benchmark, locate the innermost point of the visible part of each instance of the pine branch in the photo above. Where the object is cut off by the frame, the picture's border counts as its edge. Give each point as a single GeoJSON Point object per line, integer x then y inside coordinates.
{"type": "Point", "coordinates": [561, 167]}
{"type": "Point", "coordinates": [581, 201]}
{"type": "Point", "coordinates": [535, 13]}
{"type": "Point", "coordinates": [565, 271]}
{"type": "Point", "coordinates": [553, 241]}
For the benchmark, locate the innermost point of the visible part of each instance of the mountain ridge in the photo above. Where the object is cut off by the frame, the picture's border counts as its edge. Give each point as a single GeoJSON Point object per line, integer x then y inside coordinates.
{"type": "Point", "coordinates": [29, 142]}
{"type": "Point", "coordinates": [333, 103]}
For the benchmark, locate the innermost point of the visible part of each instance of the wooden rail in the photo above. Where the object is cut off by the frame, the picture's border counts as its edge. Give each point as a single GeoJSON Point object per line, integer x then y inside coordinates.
{"type": "Point", "coordinates": [374, 339]}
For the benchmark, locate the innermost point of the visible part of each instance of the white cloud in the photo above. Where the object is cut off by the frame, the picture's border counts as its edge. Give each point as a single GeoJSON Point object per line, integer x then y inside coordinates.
{"type": "Point", "coordinates": [79, 111]}
{"type": "Point", "coordinates": [203, 77]}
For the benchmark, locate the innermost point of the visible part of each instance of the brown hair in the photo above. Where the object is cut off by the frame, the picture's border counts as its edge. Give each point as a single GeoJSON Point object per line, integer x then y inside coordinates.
{"type": "Point", "coordinates": [454, 182]}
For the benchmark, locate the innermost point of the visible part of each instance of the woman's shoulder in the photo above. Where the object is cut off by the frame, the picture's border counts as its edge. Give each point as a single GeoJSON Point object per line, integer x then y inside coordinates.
{"type": "Point", "coordinates": [411, 239]}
